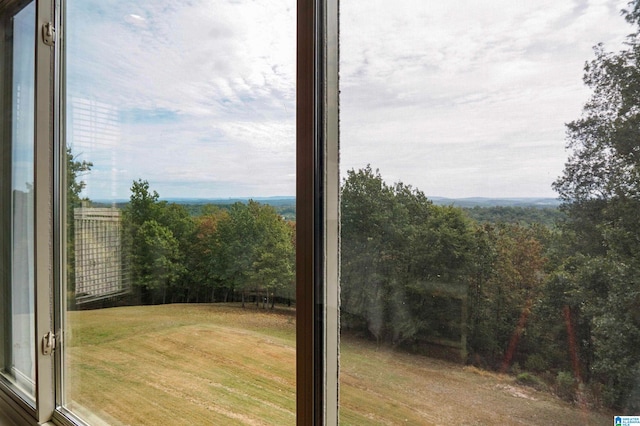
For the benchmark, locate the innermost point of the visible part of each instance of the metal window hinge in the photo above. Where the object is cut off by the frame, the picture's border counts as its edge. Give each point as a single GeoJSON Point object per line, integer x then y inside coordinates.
{"type": "Point", "coordinates": [49, 34]}
{"type": "Point", "coordinates": [48, 343]}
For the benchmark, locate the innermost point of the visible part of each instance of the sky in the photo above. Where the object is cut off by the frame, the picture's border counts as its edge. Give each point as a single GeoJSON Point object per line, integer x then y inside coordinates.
{"type": "Point", "coordinates": [468, 98]}
{"type": "Point", "coordinates": [196, 97]}
{"type": "Point", "coordinates": [458, 99]}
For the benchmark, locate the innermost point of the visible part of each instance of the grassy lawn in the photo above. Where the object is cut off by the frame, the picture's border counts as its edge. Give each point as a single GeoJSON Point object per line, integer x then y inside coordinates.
{"type": "Point", "coordinates": [222, 365]}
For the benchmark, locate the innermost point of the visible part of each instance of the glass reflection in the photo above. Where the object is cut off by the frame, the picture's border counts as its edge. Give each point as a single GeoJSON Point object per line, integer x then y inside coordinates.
{"type": "Point", "coordinates": [179, 289]}
{"type": "Point", "coordinates": [18, 279]}
{"type": "Point", "coordinates": [468, 294]}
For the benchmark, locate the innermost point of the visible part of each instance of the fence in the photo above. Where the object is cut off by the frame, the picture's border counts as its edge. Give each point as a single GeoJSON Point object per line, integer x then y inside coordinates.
{"type": "Point", "coordinates": [99, 270]}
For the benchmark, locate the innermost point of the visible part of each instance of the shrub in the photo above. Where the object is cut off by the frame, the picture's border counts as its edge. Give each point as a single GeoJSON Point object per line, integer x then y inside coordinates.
{"type": "Point", "coordinates": [566, 386]}
{"type": "Point", "coordinates": [531, 380]}
{"type": "Point", "coordinates": [536, 363]}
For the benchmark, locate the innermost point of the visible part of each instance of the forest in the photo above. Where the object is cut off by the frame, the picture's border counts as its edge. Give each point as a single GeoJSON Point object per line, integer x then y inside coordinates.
{"type": "Point", "coordinates": [552, 297]}
{"type": "Point", "coordinates": [223, 254]}
{"type": "Point", "coordinates": [179, 253]}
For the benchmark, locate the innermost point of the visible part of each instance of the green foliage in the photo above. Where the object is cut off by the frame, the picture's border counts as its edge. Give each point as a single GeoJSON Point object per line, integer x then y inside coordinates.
{"type": "Point", "coordinates": [407, 266]}
{"type": "Point", "coordinates": [597, 279]}
{"type": "Point", "coordinates": [504, 284]}
{"type": "Point", "coordinates": [284, 207]}
{"type": "Point", "coordinates": [523, 216]}
{"type": "Point", "coordinates": [615, 334]}
{"type": "Point", "coordinates": [536, 363]}
{"type": "Point", "coordinates": [155, 238]}
{"type": "Point", "coordinates": [566, 386]}
{"type": "Point", "coordinates": [531, 380]}
{"type": "Point", "coordinates": [174, 256]}
{"type": "Point", "coordinates": [158, 259]}
{"type": "Point", "coordinates": [201, 255]}
{"type": "Point", "coordinates": [253, 250]}
{"type": "Point", "coordinates": [396, 245]}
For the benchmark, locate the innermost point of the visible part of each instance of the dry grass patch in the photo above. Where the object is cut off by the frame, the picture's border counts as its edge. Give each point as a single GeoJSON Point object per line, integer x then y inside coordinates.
{"type": "Point", "coordinates": [388, 387]}
{"type": "Point", "coordinates": [183, 364]}
{"type": "Point", "coordinates": [223, 365]}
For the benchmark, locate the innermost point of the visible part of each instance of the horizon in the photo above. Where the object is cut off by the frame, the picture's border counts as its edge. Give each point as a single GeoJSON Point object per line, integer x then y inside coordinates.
{"type": "Point", "coordinates": [293, 197]}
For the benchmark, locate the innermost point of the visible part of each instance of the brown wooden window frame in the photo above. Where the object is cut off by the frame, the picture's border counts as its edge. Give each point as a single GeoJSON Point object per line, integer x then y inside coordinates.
{"type": "Point", "coordinates": [317, 212]}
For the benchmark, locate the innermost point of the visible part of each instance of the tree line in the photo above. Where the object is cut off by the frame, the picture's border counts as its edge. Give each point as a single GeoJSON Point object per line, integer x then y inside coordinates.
{"type": "Point", "coordinates": [246, 250]}
{"type": "Point", "coordinates": [548, 216]}
{"type": "Point", "coordinates": [408, 265]}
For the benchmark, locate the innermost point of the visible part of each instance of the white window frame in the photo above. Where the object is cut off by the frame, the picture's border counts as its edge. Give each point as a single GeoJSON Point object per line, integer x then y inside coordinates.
{"type": "Point", "coordinates": [11, 402]}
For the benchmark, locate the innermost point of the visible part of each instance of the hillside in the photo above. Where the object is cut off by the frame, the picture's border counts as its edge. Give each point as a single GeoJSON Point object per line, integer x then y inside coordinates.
{"type": "Point", "coordinates": [220, 364]}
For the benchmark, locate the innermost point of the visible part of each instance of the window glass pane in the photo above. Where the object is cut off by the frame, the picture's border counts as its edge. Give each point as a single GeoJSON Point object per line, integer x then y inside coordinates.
{"type": "Point", "coordinates": [180, 302]}
{"type": "Point", "coordinates": [468, 295]}
{"type": "Point", "coordinates": [17, 286]}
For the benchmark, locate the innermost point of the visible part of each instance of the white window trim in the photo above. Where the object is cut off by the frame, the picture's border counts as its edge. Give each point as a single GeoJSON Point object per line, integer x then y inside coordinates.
{"type": "Point", "coordinates": [11, 403]}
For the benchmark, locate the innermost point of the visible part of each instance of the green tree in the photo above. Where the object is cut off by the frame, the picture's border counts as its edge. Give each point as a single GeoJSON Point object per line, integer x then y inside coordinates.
{"type": "Point", "coordinates": [505, 282]}
{"type": "Point", "coordinates": [155, 237]}
{"type": "Point", "coordinates": [600, 188]}
{"type": "Point", "coordinates": [143, 203]}
{"type": "Point", "coordinates": [175, 218]}
{"type": "Point", "coordinates": [234, 249]}
{"type": "Point", "coordinates": [402, 259]}
{"type": "Point", "coordinates": [273, 264]}
{"type": "Point", "coordinates": [203, 275]}
{"type": "Point", "coordinates": [253, 251]}
{"type": "Point", "coordinates": [157, 262]}
{"type": "Point", "coordinates": [367, 230]}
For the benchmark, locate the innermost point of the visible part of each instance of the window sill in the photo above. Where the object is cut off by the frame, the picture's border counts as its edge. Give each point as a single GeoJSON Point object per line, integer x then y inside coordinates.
{"type": "Point", "coordinates": [12, 414]}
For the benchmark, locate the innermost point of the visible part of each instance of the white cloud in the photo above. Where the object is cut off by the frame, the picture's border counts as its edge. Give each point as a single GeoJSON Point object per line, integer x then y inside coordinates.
{"type": "Point", "coordinates": [199, 86]}
{"type": "Point", "coordinates": [473, 96]}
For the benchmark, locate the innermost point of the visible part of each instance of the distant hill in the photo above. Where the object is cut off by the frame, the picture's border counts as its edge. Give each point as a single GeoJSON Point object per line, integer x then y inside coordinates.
{"type": "Point", "coordinates": [542, 203]}
{"type": "Point", "coordinates": [272, 201]}
{"type": "Point", "coordinates": [470, 202]}
{"type": "Point", "coordinates": [458, 202]}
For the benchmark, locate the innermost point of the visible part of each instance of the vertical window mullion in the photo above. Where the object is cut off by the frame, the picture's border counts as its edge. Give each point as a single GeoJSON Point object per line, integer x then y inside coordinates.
{"type": "Point", "coordinates": [331, 193]}
{"type": "Point", "coordinates": [317, 212]}
{"type": "Point", "coordinates": [305, 99]}
{"type": "Point", "coordinates": [43, 169]}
